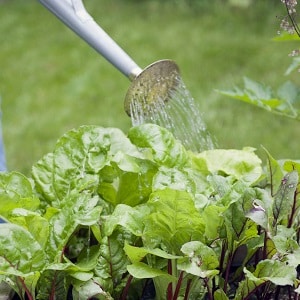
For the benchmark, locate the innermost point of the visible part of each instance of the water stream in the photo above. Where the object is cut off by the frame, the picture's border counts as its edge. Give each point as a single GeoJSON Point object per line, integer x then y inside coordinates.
{"type": "Point", "coordinates": [180, 115]}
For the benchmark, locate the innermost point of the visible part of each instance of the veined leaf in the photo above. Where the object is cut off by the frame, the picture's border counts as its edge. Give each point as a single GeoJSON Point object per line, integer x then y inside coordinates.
{"type": "Point", "coordinates": [127, 217]}
{"type": "Point", "coordinates": [275, 173]}
{"type": "Point", "coordinates": [274, 271]}
{"type": "Point", "coordinates": [241, 164]}
{"type": "Point", "coordinates": [166, 150]}
{"type": "Point", "coordinates": [262, 96]}
{"type": "Point", "coordinates": [54, 283]}
{"type": "Point", "coordinates": [136, 254]}
{"type": "Point", "coordinates": [88, 290]}
{"type": "Point", "coordinates": [80, 209]}
{"type": "Point", "coordinates": [16, 192]}
{"type": "Point", "coordinates": [200, 260]}
{"type": "Point", "coordinates": [173, 221]}
{"type": "Point", "coordinates": [112, 264]}
{"type": "Point", "coordinates": [20, 256]}
{"type": "Point", "coordinates": [284, 198]}
{"type": "Point", "coordinates": [141, 270]}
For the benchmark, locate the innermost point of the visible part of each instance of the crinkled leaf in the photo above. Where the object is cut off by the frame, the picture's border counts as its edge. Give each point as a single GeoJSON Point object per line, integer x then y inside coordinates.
{"type": "Point", "coordinates": [284, 197]}
{"type": "Point", "coordinates": [80, 154]}
{"type": "Point", "coordinates": [136, 254]}
{"type": "Point", "coordinates": [20, 253]}
{"type": "Point", "coordinates": [54, 283]}
{"type": "Point", "coordinates": [112, 263]}
{"type": "Point", "coordinates": [88, 290]}
{"type": "Point", "coordinates": [37, 225]}
{"type": "Point", "coordinates": [16, 192]}
{"type": "Point", "coordinates": [173, 221]}
{"type": "Point", "coordinates": [242, 164]}
{"type": "Point", "coordinates": [42, 173]}
{"type": "Point", "coordinates": [173, 178]}
{"type": "Point", "coordinates": [80, 209]}
{"type": "Point", "coordinates": [166, 150]}
{"type": "Point", "coordinates": [200, 260]}
{"type": "Point", "coordinates": [127, 217]}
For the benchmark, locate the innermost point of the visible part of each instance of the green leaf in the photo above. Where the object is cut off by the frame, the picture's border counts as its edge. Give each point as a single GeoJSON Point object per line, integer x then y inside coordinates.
{"type": "Point", "coordinates": [112, 263]}
{"type": "Point", "coordinates": [220, 295]}
{"type": "Point", "coordinates": [20, 256]}
{"type": "Point", "coordinates": [173, 221]}
{"type": "Point", "coordinates": [127, 217]}
{"type": "Point", "coordinates": [293, 66]}
{"type": "Point", "coordinates": [284, 198]}
{"type": "Point", "coordinates": [274, 271]}
{"type": "Point", "coordinates": [35, 224]}
{"type": "Point", "coordinates": [274, 172]}
{"type": "Point", "coordinates": [16, 192]}
{"type": "Point", "coordinates": [165, 149]}
{"type": "Point", "coordinates": [201, 260]}
{"type": "Point", "coordinates": [262, 96]}
{"type": "Point", "coordinates": [136, 254]}
{"type": "Point", "coordinates": [88, 290]}
{"type": "Point", "coordinates": [141, 270]}
{"type": "Point", "coordinates": [241, 164]}
{"type": "Point", "coordinates": [80, 209]}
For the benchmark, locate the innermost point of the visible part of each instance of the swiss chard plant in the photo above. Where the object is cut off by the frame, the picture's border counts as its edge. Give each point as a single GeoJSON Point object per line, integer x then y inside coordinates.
{"type": "Point", "coordinates": [114, 216]}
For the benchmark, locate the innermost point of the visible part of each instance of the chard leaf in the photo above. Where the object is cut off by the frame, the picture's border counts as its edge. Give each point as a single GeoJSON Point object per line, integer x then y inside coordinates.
{"type": "Point", "coordinates": [200, 260]}
{"type": "Point", "coordinates": [128, 217]}
{"type": "Point", "coordinates": [42, 173]}
{"type": "Point", "coordinates": [173, 178]}
{"type": "Point", "coordinates": [16, 192]}
{"type": "Point", "coordinates": [79, 156]}
{"type": "Point", "coordinates": [88, 290]}
{"type": "Point", "coordinates": [38, 226]}
{"type": "Point", "coordinates": [239, 228]}
{"type": "Point", "coordinates": [284, 198]}
{"type": "Point", "coordinates": [20, 253]}
{"type": "Point", "coordinates": [80, 209]}
{"type": "Point", "coordinates": [220, 295]}
{"type": "Point", "coordinates": [136, 254]}
{"type": "Point", "coordinates": [274, 271]}
{"type": "Point", "coordinates": [274, 171]}
{"type": "Point", "coordinates": [141, 270]}
{"type": "Point", "coordinates": [241, 164]}
{"type": "Point", "coordinates": [54, 283]}
{"type": "Point", "coordinates": [166, 150]}
{"type": "Point", "coordinates": [173, 221]}
{"type": "Point", "coordinates": [112, 264]}
{"type": "Point", "coordinates": [21, 258]}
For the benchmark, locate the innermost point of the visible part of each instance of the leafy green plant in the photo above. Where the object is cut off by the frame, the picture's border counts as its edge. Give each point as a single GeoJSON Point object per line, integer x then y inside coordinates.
{"type": "Point", "coordinates": [106, 214]}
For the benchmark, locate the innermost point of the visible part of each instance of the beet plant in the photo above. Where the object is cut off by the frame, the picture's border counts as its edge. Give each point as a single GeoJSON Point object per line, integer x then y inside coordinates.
{"type": "Point", "coordinates": [110, 216]}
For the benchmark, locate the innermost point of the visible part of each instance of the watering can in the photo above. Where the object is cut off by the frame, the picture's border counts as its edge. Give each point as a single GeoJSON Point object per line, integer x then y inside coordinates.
{"type": "Point", "coordinates": [156, 80]}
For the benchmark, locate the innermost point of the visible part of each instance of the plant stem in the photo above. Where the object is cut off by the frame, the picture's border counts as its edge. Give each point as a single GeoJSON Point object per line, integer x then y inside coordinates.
{"type": "Point", "coordinates": [126, 288]}
{"type": "Point", "coordinates": [227, 272]}
{"type": "Point", "coordinates": [187, 289]}
{"type": "Point", "coordinates": [170, 286]}
{"type": "Point", "coordinates": [209, 292]}
{"type": "Point", "coordinates": [178, 285]}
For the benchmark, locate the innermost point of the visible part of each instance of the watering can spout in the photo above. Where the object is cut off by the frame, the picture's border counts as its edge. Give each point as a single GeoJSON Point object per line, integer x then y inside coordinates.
{"type": "Point", "coordinates": [75, 16]}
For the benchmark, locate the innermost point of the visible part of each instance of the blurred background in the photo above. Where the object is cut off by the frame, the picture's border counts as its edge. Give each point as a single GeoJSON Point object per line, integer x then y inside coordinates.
{"type": "Point", "coordinates": [51, 81]}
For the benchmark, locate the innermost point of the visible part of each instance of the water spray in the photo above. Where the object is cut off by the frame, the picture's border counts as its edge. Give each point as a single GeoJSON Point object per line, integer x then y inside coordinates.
{"type": "Point", "coordinates": [155, 81]}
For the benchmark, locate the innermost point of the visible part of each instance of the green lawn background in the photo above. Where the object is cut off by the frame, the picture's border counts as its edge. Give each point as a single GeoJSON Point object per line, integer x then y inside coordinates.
{"type": "Point", "coordinates": [51, 81]}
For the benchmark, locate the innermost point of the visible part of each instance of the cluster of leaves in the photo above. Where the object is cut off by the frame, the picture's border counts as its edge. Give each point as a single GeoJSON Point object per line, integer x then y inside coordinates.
{"type": "Point", "coordinates": [285, 101]}
{"type": "Point", "coordinates": [106, 213]}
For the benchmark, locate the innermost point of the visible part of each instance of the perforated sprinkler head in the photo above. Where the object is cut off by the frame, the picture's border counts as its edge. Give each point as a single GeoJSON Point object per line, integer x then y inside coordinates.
{"type": "Point", "coordinates": [155, 82]}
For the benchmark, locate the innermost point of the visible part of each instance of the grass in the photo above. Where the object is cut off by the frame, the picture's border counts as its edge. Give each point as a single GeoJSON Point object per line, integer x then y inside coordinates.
{"type": "Point", "coordinates": [51, 81]}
